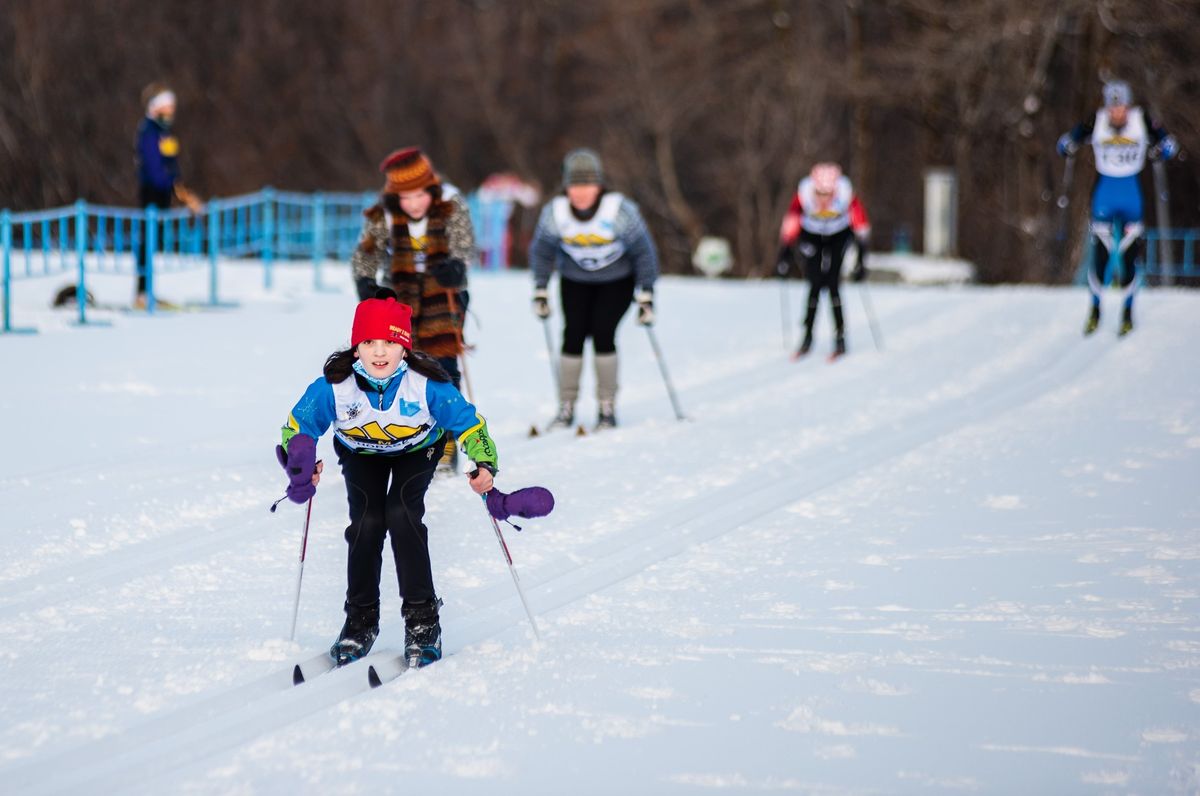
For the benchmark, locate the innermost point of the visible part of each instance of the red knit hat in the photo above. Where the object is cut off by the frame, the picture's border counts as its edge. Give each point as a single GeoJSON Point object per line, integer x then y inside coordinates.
{"type": "Point", "coordinates": [408, 170]}
{"type": "Point", "coordinates": [382, 319]}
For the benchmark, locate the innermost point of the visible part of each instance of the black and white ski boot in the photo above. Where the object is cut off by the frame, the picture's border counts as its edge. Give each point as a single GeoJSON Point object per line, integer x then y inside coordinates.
{"type": "Point", "coordinates": [565, 417]}
{"type": "Point", "coordinates": [422, 633]}
{"type": "Point", "coordinates": [358, 634]}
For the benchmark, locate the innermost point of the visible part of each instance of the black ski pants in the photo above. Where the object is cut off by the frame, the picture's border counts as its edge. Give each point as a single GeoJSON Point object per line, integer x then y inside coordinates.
{"type": "Point", "coordinates": [823, 255]}
{"type": "Point", "coordinates": [148, 195]}
{"type": "Point", "coordinates": [387, 497]}
{"type": "Point", "coordinates": [593, 309]}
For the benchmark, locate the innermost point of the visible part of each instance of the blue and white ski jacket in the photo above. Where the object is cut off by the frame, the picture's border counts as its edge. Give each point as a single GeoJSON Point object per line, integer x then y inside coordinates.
{"type": "Point", "coordinates": [403, 413]}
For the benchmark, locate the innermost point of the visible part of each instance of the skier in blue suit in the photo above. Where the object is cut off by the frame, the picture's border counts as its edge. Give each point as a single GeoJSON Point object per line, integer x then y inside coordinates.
{"type": "Point", "coordinates": [1122, 137]}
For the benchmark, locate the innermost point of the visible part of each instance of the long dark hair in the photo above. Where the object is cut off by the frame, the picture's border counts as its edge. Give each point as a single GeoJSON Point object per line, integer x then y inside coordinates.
{"type": "Point", "coordinates": [340, 366]}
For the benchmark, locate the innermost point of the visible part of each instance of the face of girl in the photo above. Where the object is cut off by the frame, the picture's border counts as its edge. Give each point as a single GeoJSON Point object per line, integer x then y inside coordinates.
{"type": "Point", "coordinates": [415, 204]}
{"type": "Point", "coordinates": [380, 357]}
{"type": "Point", "coordinates": [582, 197]}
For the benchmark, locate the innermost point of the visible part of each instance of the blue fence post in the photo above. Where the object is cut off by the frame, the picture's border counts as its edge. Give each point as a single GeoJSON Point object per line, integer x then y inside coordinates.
{"type": "Point", "coordinates": [214, 244]}
{"type": "Point", "coordinates": [318, 238]}
{"type": "Point", "coordinates": [268, 234]}
{"type": "Point", "coordinates": [1189, 241]}
{"type": "Point", "coordinates": [80, 254]}
{"type": "Point", "coordinates": [6, 237]}
{"type": "Point", "coordinates": [151, 245]}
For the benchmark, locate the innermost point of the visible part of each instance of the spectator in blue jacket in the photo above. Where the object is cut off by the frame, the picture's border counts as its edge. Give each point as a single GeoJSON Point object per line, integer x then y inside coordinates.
{"type": "Point", "coordinates": [157, 157]}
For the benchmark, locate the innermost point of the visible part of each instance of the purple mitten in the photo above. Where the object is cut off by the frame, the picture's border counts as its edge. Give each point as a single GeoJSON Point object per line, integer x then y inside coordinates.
{"type": "Point", "coordinates": [299, 461]}
{"type": "Point", "coordinates": [532, 501]}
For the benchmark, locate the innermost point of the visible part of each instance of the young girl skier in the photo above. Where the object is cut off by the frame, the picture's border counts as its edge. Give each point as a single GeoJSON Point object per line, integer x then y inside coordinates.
{"type": "Point", "coordinates": [390, 407]}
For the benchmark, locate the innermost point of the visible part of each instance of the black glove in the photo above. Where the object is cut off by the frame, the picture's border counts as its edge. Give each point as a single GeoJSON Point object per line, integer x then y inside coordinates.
{"type": "Point", "coordinates": [783, 262]}
{"type": "Point", "coordinates": [366, 287]}
{"type": "Point", "coordinates": [860, 269]}
{"type": "Point", "coordinates": [541, 303]}
{"type": "Point", "coordinates": [1067, 146]}
{"type": "Point", "coordinates": [450, 272]}
{"type": "Point", "coordinates": [645, 302]}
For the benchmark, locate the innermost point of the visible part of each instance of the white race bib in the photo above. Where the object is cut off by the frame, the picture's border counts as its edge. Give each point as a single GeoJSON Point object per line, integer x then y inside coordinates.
{"type": "Point", "coordinates": [592, 244]}
{"type": "Point", "coordinates": [1120, 152]}
{"type": "Point", "coordinates": [825, 215]}
{"type": "Point", "coordinates": [402, 426]}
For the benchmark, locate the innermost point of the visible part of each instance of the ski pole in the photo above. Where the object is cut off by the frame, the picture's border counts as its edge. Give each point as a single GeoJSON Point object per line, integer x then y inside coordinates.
{"type": "Point", "coordinates": [872, 321]}
{"type": "Point", "coordinates": [550, 352]}
{"type": "Point", "coordinates": [1162, 203]}
{"type": "Point", "coordinates": [300, 574]}
{"type": "Point", "coordinates": [663, 369]}
{"type": "Point", "coordinates": [512, 570]}
{"type": "Point", "coordinates": [1064, 197]}
{"type": "Point", "coordinates": [785, 314]}
{"type": "Point", "coordinates": [1061, 244]}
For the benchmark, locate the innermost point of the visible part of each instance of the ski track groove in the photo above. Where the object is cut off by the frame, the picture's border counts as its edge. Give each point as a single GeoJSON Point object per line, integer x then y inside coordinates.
{"type": "Point", "coordinates": [657, 538]}
{"type": "Point", "coordinates": [71, 582]}
{"type": "Point", "coordinates": [212, 724]}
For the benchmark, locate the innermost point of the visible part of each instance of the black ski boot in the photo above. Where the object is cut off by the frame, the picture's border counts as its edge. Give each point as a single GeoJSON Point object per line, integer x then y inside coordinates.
{"type": "Point", "coordinates": [1126, 322]}
{"type": "Point", "coordinates": [805, 346]}
{"type": "Point", "coordinates": [358, 634]}
{"type": "Point", "coordinates": [565, 417]}
{"type": "Point", "coordinates": [607, 417]}
{"type": "Point", "coordinates": [839, 329]}
{"type": "Point", "coordinates": [422, 633]}
{"type": "Point", "coordinates": [1093, 321]}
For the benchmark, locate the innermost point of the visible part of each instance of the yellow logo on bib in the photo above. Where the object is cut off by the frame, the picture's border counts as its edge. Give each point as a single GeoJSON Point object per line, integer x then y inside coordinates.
{"type": "Point", "coordinates": [168, 145]}
{"type": "Point", "coordinates": [587, 239]}
{"type": "Point", "coordinates": [393, 433]}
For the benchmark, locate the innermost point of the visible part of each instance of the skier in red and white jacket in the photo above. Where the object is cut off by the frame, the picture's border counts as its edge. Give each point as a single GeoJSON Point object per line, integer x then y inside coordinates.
{"type": "Point", "coordinates": [825, 214]}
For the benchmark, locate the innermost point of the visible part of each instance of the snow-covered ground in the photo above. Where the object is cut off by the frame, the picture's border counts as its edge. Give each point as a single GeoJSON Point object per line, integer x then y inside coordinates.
{"type": "Point", "coordinates": [969, 563]}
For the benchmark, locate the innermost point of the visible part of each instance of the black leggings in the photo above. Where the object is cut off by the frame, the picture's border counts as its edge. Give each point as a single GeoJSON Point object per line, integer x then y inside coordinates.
{"type": "Point", "coordinates": [593, 309]}
{"type": "Point", "coordinates": [377, 508]}
{"type": "Point", "coordinates": [823, 255]}
{"type": "Point", "coordinates": [147, 196]}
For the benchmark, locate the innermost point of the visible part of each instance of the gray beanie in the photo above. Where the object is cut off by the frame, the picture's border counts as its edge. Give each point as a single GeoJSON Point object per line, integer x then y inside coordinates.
{"type": "Point", "coordinates": [582, 167]}
{"type": "Point", "coordinates": [1116, 92]}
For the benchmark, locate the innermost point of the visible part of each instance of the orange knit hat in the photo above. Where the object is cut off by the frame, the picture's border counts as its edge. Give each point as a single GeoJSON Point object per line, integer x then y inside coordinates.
{"type": "Point", "coordinates": [408, 170]}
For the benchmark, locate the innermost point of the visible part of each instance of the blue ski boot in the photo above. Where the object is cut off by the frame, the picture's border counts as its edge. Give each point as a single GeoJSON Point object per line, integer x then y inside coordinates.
{"type": "Point", "coordinates": [422, 633]}
{"type": "Point", "coordinates": [357, 636]}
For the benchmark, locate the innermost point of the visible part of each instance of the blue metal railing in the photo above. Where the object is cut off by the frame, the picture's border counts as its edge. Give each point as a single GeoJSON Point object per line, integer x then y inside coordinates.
{"type": "Point", "coordinates": [88, 239]}
{"type": "Point", "coordinates": [85, 239]}
{"type": "Point", "coordinates": [1181, 251]}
